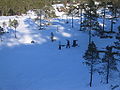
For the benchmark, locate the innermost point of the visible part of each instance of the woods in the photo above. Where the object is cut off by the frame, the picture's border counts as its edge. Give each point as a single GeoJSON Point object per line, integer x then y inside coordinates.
{"type": "Point", "coordinates": [17, 7]}
{"type": "Point", "coordinates": [13, 7]}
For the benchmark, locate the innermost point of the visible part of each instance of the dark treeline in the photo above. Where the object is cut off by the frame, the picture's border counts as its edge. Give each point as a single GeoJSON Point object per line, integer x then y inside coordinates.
{"type": "Point", "coordinates": [13, 7]}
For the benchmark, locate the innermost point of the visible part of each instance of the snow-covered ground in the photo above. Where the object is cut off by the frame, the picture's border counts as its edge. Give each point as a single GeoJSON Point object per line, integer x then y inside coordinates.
{"type": "Point", "coordinates": [40, 65]}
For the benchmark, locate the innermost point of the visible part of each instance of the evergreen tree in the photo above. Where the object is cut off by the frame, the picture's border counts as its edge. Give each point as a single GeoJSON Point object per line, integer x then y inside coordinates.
{"type": "Point", "coordinates": [10, 23]}
{"type": "Point", "coordinates": [110, 62]}
{"type": "Point", "coordinates": [90, 21]}
{"type": "Point", "coordinates": [15, 25]}
{"type": "Point", "coordinates": [91, 56]}
{"type": "Point", "coordinates": [117, 42]}
{"type": "Point", "coordinates": [13, 7]}
{"type": "Point", "coordinates": [1, 32]}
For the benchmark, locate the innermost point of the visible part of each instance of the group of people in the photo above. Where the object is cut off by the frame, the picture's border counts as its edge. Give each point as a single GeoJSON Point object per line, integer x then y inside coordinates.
{"type": "Point", "coordinates": [68, 44]}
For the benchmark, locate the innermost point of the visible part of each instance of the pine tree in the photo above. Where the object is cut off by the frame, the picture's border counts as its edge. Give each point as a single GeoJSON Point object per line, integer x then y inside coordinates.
{"type": "Point", "coordinates": [15, 25]}
{"type": "Point", "coordinates": [10, 23]}
{"type": "Point", "coordinates": [90, 20]}
{"type": "Point", "coordinates": [91, 56]}
{"type": "Point", "coordinates": [1, 32]}
{"type": "Point", "coordinates": [13, 7]}
{"type": "Point", "coordinates": [110, 62]}
{"type": "Point", "coordinates": [117, 43]}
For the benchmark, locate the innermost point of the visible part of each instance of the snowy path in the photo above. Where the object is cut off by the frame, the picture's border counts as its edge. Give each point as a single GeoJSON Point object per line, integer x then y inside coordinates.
{"type": "Point", "coordinates": [40, 66]}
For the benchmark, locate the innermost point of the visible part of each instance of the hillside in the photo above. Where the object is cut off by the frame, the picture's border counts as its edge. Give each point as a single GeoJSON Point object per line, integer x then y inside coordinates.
{"type": "Point", "coordinates": [33, 62]}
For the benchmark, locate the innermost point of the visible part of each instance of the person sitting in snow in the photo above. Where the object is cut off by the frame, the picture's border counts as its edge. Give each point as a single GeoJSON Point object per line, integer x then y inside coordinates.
{"type": "Point", "coordinates": [32, 41]}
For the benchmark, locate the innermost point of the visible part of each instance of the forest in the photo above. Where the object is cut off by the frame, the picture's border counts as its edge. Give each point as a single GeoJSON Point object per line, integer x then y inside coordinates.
{"type": "Point", "coordinates": [13, 7]}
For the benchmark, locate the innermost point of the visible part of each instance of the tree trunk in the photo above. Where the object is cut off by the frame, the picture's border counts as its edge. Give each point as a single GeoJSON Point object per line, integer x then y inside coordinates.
{"type": "Point", "coordinates": [15, 33]}
{"type": "Point", "coordinates": [40, 19]}
{"type": "Point", "coordinates": [103, 24]}
{"type": "Point", "coordinates": [91, 74]}
{"type": "Point", "coordinates": [107, 77]}
{"type": "Point", "coordinates": [89, 36]}
{"type": "Point", "coordinates": [115, 12]}
{"type": "Point", "coordinates": [90, 28]}
{"type": "Point", "coordinates": [104, 20]}
{"type": "Point", "coordinates": [91, 71]}
{"type": "Point", "coordinates": [111, 25]}
{"type": "Point", "coordinates": [72, 21]}
{"type": "Point", "coordinates": [81, 20]}
{"type": "Point", "coordinates": [2, 13]}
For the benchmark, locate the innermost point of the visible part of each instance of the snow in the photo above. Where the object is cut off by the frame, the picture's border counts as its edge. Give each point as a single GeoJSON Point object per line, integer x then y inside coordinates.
{"type": "Point", "coordinates": [40, 65]}
{"type": "Point", "coordinates": [57, 12]}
